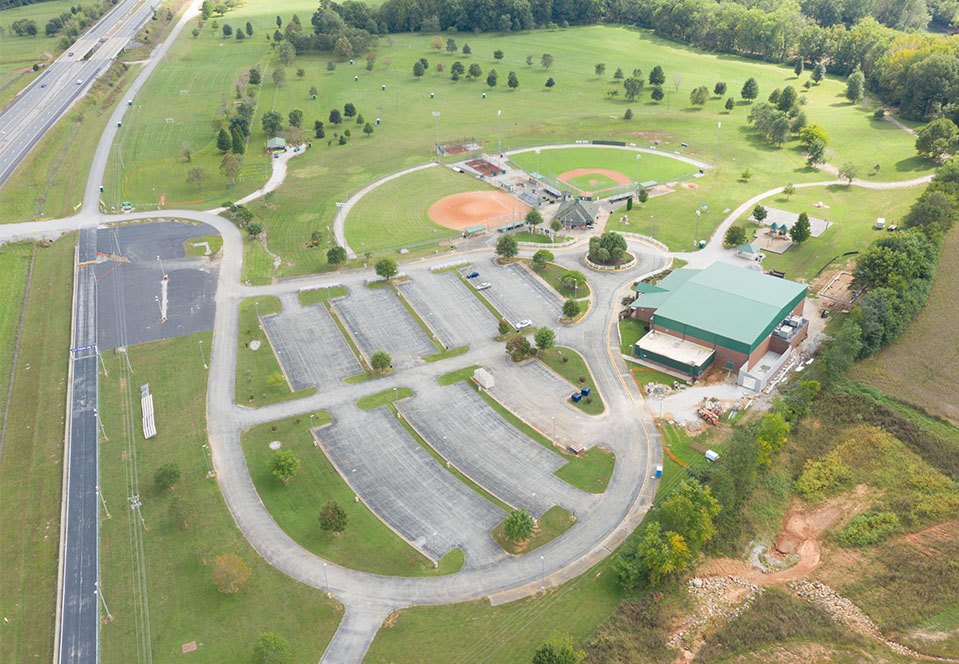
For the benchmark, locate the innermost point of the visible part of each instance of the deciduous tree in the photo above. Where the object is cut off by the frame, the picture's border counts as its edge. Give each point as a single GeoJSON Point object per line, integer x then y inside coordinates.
{"type": "Point", "coordinates": [518, 525]}
{"type": "Point", "coordinates": [381, 361]}
{"type": "Point", "coordinates": [544, 338]}
{"type": "Point", "coordinates": [272, 123]}
{"type": "Point", "coordinates": [750, 89]}
{"type": "Point", "coordinates": [541, 258]}
{"type": "Point", "coordinates": [333, 517]}
{"type": "Point", "coordinates": [272, 649]}
{"type": "Point", "coordinates": [230, 573]}
{"type": "Point", "coordinates": [735, 236]}
{"type": "Point", "coordinates": [506, 246]}
{"type": "Point", "coordinates": [657, 76]}
{"type": "Point", "coordinates": [386, 268]}
{"type": "Point", "coordinates": [230, 166]}
{"type": "Point", "coordinates": [546, 60]}
{"type": "Point", "coordinates": [166, 476]}
{"type": "Point", "coordinates": [570, 308]}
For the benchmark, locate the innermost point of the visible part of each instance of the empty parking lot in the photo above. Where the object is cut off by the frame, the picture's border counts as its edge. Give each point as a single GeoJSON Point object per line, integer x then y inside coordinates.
{"type": "Point", "coordinates": [519, 295]}
{"type": "Point", "coordinates": [453, 313]}
{"type": "Point", "coordinates": [407, 488]}
{"type": "Point", "coordinates": [379, 321]}
{"type": "Point", "coordinates": [466, 430]}
{"type": "Point", "coordinates": [308, 344]}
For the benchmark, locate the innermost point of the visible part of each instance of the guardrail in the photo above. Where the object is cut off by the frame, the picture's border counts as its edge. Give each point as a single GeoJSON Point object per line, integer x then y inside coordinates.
{"type": "Point", "coordinates": [644, 238]}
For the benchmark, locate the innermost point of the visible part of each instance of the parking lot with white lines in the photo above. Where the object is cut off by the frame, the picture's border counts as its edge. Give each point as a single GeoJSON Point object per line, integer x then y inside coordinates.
{"type": "Point", "coordinates": [453, 313]}
{"type": "Point", "coordinates": [518, 294]}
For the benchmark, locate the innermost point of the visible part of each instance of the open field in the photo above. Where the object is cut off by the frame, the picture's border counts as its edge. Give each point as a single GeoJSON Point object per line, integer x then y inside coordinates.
{"type": "Point", "coordinates": [50, 181]}
{"type": "Point", "coordinates": [367, 543]}
{"type": "Point", "coordinates": [852, 212]}
{"type": "Point", "coordinates": [19, 54]}
{"type": "Point", "coordinates": [397, 213]}
{"type": "Point", "coordinates": [225, 626]}
{"type": "Point", "coordinates": [921, 367]}
{"type": "Point", "coordinates": [15, 262]}
{"type": "Point", "coordinates": [256, 370]}
{"type": "Point", "coordinates": [32, 463]}
{"type": "Point", "coordinates": [579, 109]}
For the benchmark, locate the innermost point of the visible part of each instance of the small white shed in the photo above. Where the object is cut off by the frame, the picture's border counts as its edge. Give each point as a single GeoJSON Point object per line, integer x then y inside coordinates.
{"type": "Point", "coordinates": [484, 378]}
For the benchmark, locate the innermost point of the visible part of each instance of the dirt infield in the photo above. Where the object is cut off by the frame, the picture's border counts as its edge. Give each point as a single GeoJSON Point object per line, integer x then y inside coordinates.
{"type": "Point", "coordinates": [489, 208]}
{"type": "Point", "coordinates": [615, 176]}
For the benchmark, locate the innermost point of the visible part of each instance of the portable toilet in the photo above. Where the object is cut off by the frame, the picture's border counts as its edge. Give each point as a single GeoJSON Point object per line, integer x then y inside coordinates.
{"type": "Point", "coordinates": [484, 95]}
{"type": "Point", "coordinates": [659, 471]}
{"type": "Point", "coordinates": [129, 102]}
{"type": "Point", "coordinates": [431, 95]}
{"type": "Point", "coordinates": [119, 124]}
{"type": "Point", "coordinates": [356, 78]}
{"type": "Point", "coordinates": [351, 62]}
{"type": "Point", "coordinates": [711, 456]}
{"type": "Point", "coordinates": [377, 120]}
{"type": "Point", "coordinates": [383, 87]}
{"type": "Point", "coordinates": [314, 97]}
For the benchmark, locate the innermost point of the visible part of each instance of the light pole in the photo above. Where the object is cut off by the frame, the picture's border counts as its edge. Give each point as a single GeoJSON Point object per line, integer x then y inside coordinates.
{"type": "Point", "coordinates": [100, 594]}
{"type": "Point", "coordinates": [542, 573]}
{"type": "Point", "coordinates": [638, 157]}
{"type": "Point", "coordinates": [209, 471]}
{"type": "Point", "coordinates": [162, 271]}
{"type": "Point", "coordinates": [697, 228]}
{"type": "Point", "coordinates": [436, 560]}
{"type": "Point", "coordinates": [650, 225]}
{"type": "Point", "coordinates": [554, 427]}
{"type": "Point", "coordinates": [203, 357]}
{"type": "Point", "coordinates": [534, 507]}
{"type": "Point", "coordinates": [436, 118]}
{"type": "Point", "coordinates": [719, 131]}
{"type": "Point", "coordinates": [326, 579]}
{"type": "Point", "coordinates": [499, 136]}
{"type": "Point", "coordinates": [311, 421]}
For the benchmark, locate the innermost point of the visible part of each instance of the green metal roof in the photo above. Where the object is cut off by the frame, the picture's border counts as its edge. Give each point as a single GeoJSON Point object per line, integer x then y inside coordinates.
{"type": "Point", "coordinates": [729, 302]}
{"type": "Point", "coordinates": [650, 300]}
{"type": "Point", "coordinates": [748, 248]}
{"type": "Point", "coordinates": [643, 287]}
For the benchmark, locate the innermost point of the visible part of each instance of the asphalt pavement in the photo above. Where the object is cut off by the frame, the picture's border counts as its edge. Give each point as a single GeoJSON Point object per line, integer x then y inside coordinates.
{"type": "Point", "coordinates": [452, 312]}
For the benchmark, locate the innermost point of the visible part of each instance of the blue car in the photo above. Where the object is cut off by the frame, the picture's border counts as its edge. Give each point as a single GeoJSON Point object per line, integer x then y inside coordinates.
{"type": "Point", "coordinates": [472, 275]}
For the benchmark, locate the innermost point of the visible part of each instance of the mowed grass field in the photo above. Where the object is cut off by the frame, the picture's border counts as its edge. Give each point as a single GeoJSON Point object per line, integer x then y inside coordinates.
{"type": "Point", "coordinates": [852, 212]}
{"type": "Point", "coordinates": [398, 212]}
{"type": "Point", "coordinates": [366, 544]}
{"type": "Point", "coordinates": [578, 108]}
{"type": "Point", "coordinates": [15, 262]}
{"type": "Point", "coordinates": [31, 467]}
{"type": "Point", "coordinates": [921, 367]}
{"type": "Point", "coordinates": [184, 604]}
{"type": "Point", "coordinates": [553, 163]}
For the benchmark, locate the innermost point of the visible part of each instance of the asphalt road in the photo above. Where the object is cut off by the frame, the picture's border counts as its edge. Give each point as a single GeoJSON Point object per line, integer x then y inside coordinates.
{"type": "Point", "coordinates": [49, 96]}
{"type": "Point", "coordinates": [79, 616]}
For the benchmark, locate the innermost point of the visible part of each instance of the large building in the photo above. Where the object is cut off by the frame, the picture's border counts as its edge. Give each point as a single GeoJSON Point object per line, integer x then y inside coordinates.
{"type": "Point", "coordinates": [733, 318]}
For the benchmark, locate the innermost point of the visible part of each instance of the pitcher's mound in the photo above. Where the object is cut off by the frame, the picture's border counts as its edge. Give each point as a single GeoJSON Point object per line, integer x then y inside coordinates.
{"type": "Point", "coordinates": [489, 208]}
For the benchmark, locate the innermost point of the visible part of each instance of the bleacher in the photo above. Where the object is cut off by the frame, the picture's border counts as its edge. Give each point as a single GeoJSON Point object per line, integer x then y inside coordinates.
{"type": "Point", "coordinates": [146, 406]}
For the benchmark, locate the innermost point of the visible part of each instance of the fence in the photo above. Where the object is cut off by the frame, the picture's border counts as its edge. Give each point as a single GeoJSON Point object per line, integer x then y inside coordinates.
{"type": "Point", "coordinates": [446, 266]}
{"type": "Point", "coordinates": [546, 245]}
{"type": "Point", "coordinates": [611, 268]}
{"type": "Point", "coordinates": [644, 238]}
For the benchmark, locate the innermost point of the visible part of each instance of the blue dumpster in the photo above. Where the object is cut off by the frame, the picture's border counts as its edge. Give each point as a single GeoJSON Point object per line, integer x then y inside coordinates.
{"type": "Point", "coordinates": [577, 397]}
{"type": "Point", "coordinates": [585, 391]}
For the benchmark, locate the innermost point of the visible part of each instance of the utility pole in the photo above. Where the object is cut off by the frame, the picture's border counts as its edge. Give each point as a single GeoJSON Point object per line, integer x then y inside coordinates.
{"type": "Point", "coordinates": [135, 506]}
{"type": "Point", "coordinates": [326, 579]}
{"type": "Point", "coordinates": [542, 573]}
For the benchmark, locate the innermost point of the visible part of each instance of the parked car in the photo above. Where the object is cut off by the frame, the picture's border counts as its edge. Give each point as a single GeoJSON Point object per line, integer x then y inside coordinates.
{"type": "Point", "coordinates": [484, 285]}
{"type": "Point", "coordinates": [523, 324]}
{"type": "Point", "coordinates": [472, 275]}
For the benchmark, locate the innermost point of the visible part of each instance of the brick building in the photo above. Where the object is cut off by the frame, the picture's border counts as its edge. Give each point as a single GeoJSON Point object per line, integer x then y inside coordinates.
{"type": "Point", "coordinates": [725, 316]}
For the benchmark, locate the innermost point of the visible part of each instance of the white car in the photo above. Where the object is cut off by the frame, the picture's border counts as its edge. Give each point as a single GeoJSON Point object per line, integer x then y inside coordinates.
{"type": "Point", "coordinates": [483, 286]}
{"type": "Point", "coordinates": [523, 324]}
{"type": "Point", "coordinates": [79, 81]}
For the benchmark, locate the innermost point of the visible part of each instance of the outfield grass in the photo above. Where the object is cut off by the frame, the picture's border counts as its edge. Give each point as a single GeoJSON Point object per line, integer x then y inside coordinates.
{"type": "Point", "coordinates": [321, 295]}
{"type": "Point", "coordinates": [184, 604]}
{"type": "Point", "coordinates": [32, 462]}
{"type": "Point", "coordinates": [367, 543]}
{"type": "Point", "coordinates": [193, 246]}
{"type": "Point", "coordinates": [631, 330]}
{"type": "Point", "coordinates": [852, 211]}
{"type": "Point", "coordinates": [551, 272]}
{"type": "Point", "coordinates": [51, 180]}
{"type": "Point", "coordinates": [572, 370]}
{"type": "Point", "coordinates": [397, 213]}
{"type": "Point", "coordinates": [254, 368]}
{"type": "Point", "coordinates": [554, 522]}
{"type": "Point", "coordinates": [578, 107]}
{"type": "Point", "coordinates": [553, 163]}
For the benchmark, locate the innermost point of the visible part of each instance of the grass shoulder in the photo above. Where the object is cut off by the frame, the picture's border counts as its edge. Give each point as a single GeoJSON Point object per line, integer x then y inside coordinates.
{"type": "Point", "coordinates": [259, 378]}
{"type": "Point", "coordinates": [366, 544]}
{"type": "Point", "coordinates": [554, 522]}
{"type": "Point", "coordinates": [442, 355]}
{"type": "Point", "coordinates": [317, 295]}
{"type": "Point", "coordinates": [571, 366]}
{"type": "Point", "coordinates": [371, 401]}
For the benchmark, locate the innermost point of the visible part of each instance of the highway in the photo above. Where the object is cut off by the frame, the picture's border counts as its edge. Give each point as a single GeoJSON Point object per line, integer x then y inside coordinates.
{"type": "Point", "coordinates": [49, 96]}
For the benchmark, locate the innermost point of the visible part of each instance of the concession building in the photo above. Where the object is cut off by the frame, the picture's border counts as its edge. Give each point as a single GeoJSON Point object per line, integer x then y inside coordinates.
{"type": "Point", "coordinates": [730, 317]}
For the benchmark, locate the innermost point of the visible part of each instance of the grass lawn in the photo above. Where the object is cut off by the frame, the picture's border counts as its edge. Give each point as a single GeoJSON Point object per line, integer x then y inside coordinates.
{"type": "Point", "coordinates": [539, 238]}
{"type": "Point", "coordinates": [554, 522]}
{"type": "Point", "coordinates": [255, 369]}
{"type": "Point", "coordinates": [51, 180]}
{"type": "Point", "coordinates": [551, 272]}
{"type": "Point", "coordinates": [225, 626]}
{"type": "Point", "coordinates": [644, 375]}
{"type": "Point", "coordinates": [371, 401]}
{"type": "Point", "coordinates": [321, 295]}
{"type": "Point", "coordinates": [852, 211]}
{"type": "Point", "coordinates": [194, 245]}
{"type": "Point", "coordinates": [367, 543]}
{"type": "Point", "coordinates": [442, 355]}
{"type": "Point", "coordinates": [553, 163]}
{"type": "Point", "coordinates": [578, 107]}
{"type": "Point", "coordinates": [679, 443]}
{"type": "Point", "coordinates": [920, 367]}
{"type": "Point", "coordinates": [397, 213]}
{"type": "Point", "coordinates": [15, 260]}
{"type": "Point", "coordinates": [572, 370]}
{"type": "Point", "coordinates": [591, 472]}
{"type": "Point", "coordinates": [631, 330]}
{"type": "Point", "coordinates": [31, 468]}
{"type": "Point", "coordinates": [257, 263]}
{"type": "Point", "coordinates": [455, 376]}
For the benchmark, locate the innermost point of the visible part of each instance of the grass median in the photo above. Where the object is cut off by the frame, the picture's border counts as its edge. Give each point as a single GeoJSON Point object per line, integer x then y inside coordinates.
{"type": "Point", "coordinates": [571, 366]}
{"type": "Point", "coordinates": [554, 522]}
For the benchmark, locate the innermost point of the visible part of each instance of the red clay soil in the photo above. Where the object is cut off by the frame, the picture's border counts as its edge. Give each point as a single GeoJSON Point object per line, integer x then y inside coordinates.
{"type": "Point", "coordinates": [460, 211]}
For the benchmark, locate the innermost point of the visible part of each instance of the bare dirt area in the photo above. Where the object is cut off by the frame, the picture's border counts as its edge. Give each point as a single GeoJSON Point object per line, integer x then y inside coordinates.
{"type": "Point", "coordinates": [473, 208]}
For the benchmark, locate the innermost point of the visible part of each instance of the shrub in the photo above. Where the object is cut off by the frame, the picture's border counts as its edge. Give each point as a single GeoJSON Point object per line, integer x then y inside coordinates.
{"type": "Point", "coordinates": [166, 476]}
{"type": "Point", "coordinates": [868, 529]}
{"type": "Point", "coordinates": [821, 476]}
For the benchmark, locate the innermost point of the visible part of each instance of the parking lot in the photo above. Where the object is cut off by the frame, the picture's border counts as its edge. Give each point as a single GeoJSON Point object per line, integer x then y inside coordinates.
{"type": "Point", "coordinates": [308, 344]}
{"type": "Point", "coordinates": [518, 294]}
{"type": "Point", "coordinates": [492, 452]}
{"type": "Point", "coordinates": [538, 395]}
{"type": "Point", "coordinates": [407, 488]}
{"type": "Point", "coordinates": [453, 313]}
{"type": "Point", "coordinates": [379, 321]}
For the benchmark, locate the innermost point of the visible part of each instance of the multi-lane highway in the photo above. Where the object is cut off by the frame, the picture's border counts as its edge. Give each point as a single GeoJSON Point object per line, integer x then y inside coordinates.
{"type": "Point", "coordinates": [24, 122]}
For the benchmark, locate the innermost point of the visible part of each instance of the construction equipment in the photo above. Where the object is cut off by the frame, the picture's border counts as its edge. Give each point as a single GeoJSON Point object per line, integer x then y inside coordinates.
{"type": "Point", "coordinates": [710, 411]}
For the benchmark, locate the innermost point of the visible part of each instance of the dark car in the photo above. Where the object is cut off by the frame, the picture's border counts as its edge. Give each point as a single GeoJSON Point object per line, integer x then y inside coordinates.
{"type": "Point", "coordinates": [472, 275]}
